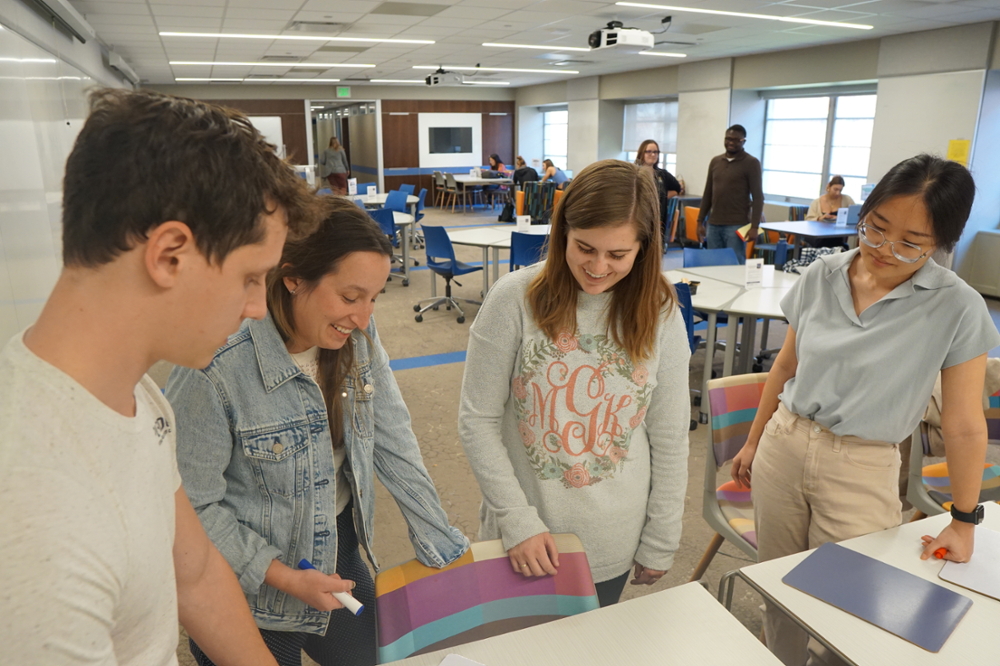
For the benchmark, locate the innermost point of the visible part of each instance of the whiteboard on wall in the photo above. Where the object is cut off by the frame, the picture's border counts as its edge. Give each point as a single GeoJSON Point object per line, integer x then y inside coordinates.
{"type": "Point", "coordinates": [463, 125]}
{"type": "Point", "coordinates": [270, 127]}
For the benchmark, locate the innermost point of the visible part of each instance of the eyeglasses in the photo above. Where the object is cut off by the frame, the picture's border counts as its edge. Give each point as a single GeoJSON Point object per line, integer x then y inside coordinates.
{"type": "Point", "coordinates": [652, 152]}
{"type": "Point", "coordinates": [906, 252]}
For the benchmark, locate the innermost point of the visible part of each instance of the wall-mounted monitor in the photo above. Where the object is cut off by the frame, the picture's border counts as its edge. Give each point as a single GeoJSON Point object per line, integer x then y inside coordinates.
{"type": "Point", "coordinates": [450, 140]}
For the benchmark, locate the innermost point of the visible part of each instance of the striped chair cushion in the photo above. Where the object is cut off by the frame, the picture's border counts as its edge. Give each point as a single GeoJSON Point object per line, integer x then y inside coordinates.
{"type": "Point", "coordinates": [734, 500]}
{"type": "Point", "coordinates": [421, 609]}
{"type": "Point", "coordinates": [733, 411]}
{"type": "Point", "coordinates": [938, 483]}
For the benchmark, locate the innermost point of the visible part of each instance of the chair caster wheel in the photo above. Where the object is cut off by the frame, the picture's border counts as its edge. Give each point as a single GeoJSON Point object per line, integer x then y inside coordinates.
{"type": "Point", "coordinates": [461, 320]}
{"type": "Point", "coordinates": [436, 307]}
{"type": "Point", "coordinates": [416, 263]}
{"type": "Point", "coordinates": [703, 418]}
{"type": "Point", "coordinates": [757, 367]}
{"type": "Point", "coordinates": [416, 308]}
{"type": "Point", "coordinates": [715, 375]}
{"type": "Point", "coordinates": [419, 318]}
{"type": "Point", "coordinates": [694, 425]}
{"type": "Point", "coordinates": [406, 283]}
{"type": "Point", "coordinates": [697, 401]}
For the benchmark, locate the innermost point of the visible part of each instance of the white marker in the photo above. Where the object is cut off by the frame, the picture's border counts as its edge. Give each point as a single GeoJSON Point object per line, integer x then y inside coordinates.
{"type": "Point", "coordinates": [350, 603]}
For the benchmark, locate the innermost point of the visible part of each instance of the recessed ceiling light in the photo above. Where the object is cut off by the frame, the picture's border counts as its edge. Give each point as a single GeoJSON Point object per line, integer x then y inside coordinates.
{"type": "Point", "coordinates": [328, 65]}
{"type": "Point", "coordinates": [48, 60]}
{"type": "Point", "coordinates": [486, 83]}
{"type": "Point", "coordinates": [767, 17]}
{"type": "Point", "coordinates": [310, 38]}
{"type": "Point", "coordinates": [539, 47]}
{"type": "Point", "coordinates": [296, 80]}
{"type": "Point", "coordinates": [664, 54]}
{"type": "Point", "coordinates": [207, 79]}
{"type": "Point", "coordinates": [498, 69]}
{"type": "Point", "coordinates": [216, 80]}
{"type": "Point", "coordinates": [420, 81]}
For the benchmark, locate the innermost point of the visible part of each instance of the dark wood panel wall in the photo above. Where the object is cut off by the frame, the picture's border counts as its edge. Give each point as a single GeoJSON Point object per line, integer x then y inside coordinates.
{"type": "Point", "coordinates": [400, 143]}
{"type": "Point", "coordinates": [293, 121]}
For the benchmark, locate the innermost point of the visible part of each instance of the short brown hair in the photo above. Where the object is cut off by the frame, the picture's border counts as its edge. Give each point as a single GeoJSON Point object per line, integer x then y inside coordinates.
{"type": "Point", "coordinates": [345, 229]}
{"type": "Point", "coordinates": [144, 158]}
{"type": "Point", "coordinates": [639, 156]}
{"type": "Point", "coordinates": [606, 194]}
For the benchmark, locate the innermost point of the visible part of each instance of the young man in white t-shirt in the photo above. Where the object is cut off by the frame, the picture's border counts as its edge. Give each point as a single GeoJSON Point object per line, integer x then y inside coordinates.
{"type": "Point", "coordinates": [174, 211]}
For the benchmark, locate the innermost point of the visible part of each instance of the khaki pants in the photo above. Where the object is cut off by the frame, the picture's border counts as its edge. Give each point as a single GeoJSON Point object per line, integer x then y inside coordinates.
{"type": "Point", "coordinates": [810, 487]}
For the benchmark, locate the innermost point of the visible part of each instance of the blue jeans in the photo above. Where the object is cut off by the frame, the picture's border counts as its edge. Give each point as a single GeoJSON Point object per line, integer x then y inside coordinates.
{"type": "Point", "coordinates": [717, 236]}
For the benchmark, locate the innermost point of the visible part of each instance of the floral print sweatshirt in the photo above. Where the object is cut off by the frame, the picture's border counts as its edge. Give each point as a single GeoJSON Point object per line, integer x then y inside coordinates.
{"type": "Point", "coordinates": [573, 435]}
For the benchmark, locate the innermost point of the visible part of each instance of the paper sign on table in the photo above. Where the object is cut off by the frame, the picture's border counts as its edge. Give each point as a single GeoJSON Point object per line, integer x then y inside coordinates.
{"type": "Point", "coordinates": [908, 606]}
{"type": "Point", "coordinates": [982, 572]}
{"type": "Point", "coordinates": [372, 193]}
{"type": "Point", "coordinates": [524, 223]}
{"type": "Point", "coordinates": [842, 215]}
{"type": "Point", "coordinates": [755, 273]}
{"type": "Point", "coordinates": [352, 186]}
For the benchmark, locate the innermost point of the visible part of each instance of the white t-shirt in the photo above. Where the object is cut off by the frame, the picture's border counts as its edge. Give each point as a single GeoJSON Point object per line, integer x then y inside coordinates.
{"type": "Point", "coordinates": [308, 362]}
{"type": "Point", "coordinates": [86, 521]}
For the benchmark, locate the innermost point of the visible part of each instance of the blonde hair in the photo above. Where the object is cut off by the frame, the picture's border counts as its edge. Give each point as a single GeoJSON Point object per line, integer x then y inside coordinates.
{"type": "Point", "coordinates": [335, 144]}
{"type": "Point", "coordinates": [519, 161]}
{"type": "Point", "coordinates": [608, 193]}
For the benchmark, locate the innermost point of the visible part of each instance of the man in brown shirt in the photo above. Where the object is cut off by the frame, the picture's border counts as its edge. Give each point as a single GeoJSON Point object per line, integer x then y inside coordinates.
{"type": "Point", "coordinates": [734, 178]}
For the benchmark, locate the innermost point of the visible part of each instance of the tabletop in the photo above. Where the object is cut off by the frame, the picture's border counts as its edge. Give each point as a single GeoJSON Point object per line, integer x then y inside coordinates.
{"type": "Point", "coordinates": [810, 229]}
{"type": "Point", "coordinates": [738, 275]}
{"type": "Point", "coordinates": [466, 179]}
{"type": "Point", "coordinates": [974, 641]}
{"type": "Point", "coordinates": [380, 198]}
{"type": "Point", "coordinates": [493, 236]}
{"type": "Point", "coordinates": [713, 295]}
{"type": "Point", "coordinates": [759, 303]}
{"type": "Point", "coordinates": [682, 625]}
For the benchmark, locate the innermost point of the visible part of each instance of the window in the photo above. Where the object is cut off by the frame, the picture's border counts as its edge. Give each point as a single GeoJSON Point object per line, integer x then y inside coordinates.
{"type": "Point", "coordinates": [554, 136]}
{"type": "Point", "coordinates": [656, 121]}
{"type": "Point", "coordinates": [807, 140]}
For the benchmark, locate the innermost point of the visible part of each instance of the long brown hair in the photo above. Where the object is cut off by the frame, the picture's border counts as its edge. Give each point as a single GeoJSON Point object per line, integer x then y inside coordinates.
{"type": "Point", "coordinates": [346, 229]}
{"type": "Point", "coordinates": [608, 193]}
{"type": "Point", "coordinates": [334, 144]}
{"type": "Point", "coordinates": [641, 155]}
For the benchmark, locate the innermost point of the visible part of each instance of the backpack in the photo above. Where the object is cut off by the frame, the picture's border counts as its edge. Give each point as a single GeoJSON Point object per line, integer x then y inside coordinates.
{"type": "Point", "coordinates": [507, 214]}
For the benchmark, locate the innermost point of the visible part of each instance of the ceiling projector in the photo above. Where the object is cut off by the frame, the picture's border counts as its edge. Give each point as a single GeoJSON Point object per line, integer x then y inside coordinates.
{"type": "Point", "coordinates": [443, 78]}
{"type": "Point", "coordinates": [615, 36]}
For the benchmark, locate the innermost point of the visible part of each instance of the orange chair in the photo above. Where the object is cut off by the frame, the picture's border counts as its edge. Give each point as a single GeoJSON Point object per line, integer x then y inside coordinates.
{"type": "Point", "coordinates": [556, 196]}
{"type": "Point", "coordinates": [691, 223]}
{"type": "Point", "coordinates": [519, 203]}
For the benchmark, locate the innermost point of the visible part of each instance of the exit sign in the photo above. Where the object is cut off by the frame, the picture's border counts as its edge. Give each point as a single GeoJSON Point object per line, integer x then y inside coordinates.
{"type": "Point", "coordinates": [343, 91]}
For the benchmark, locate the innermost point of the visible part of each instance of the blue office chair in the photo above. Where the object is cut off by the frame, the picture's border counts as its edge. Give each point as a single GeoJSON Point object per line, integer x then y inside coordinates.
{"type": "Point", "coordinates": [363, 187]}
{"type": "Point", "coordinates": [387, 223]}
{"type": "Point", "coordinates": [407, 188]}
{"type": "Point", "coordinates": [724, 256]}
{"type": "Point", "coordinates": [687, 314]}
{"type": "Point", "coordinates": [396, 200]}
{"type": "Point", "coordinates": [325, 190]}
{"type": "Point", "coordinates": [441, 259]}
{"type": "Point", "coordinates": [526, 249]}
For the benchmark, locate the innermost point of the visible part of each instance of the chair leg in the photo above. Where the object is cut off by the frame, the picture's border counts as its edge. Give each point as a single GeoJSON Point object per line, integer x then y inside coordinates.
{"type": "Point", "coordinates": [918, 515]}
{"type": "Point", "coordinates": [706, 559]}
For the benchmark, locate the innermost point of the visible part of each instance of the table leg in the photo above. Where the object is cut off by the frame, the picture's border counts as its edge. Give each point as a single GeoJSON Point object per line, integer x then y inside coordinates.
{"type": "Point", "coordinates": [406, 254]}
{"type": "Point", "coordinates": [486, 270]}
{"type": "Point", "coordinates": [732, 328]}
{"type": "Point", "coordinates": [798, 246]}
{"type": "Point", "coordinates": [746, 347]}
{"type": "Point", "coordinates": [709, 358]}
{"type": "Point", "coordinates": [496, 264]}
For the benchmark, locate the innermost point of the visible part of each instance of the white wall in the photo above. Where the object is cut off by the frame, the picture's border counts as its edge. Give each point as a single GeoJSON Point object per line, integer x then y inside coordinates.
{"type": "Point", "coordinates": [985, 166]}
{"type": "Point", "coordinates": [921, 113]}
{"type": "Point", "coordinates": [582, 134]}
{"type": "Point", "coordinates": [702, 119]}
{"type": "Point", "coordinates": [530, 126]}
{"type": "Point", "coordinates": [611, 119]}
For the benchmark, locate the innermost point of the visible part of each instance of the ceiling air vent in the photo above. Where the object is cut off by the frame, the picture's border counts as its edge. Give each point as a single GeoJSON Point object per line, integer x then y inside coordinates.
{"type": "Point", "coordinates": [280, 58]}
{"type": "Point", "coordinates": [317, 26]}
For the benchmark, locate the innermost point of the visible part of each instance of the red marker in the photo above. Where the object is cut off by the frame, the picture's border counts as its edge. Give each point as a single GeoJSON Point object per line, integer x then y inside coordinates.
{"type": "Point", "coordinates": [940, 553]}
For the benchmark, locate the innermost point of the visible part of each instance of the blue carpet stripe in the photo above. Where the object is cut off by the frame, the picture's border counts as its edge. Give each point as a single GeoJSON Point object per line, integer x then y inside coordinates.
{"type": "Point", "coordinates": [425, 361]}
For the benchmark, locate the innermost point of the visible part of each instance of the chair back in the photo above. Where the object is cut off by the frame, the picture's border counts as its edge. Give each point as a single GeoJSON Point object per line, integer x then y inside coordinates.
{"type": "Point", "coordinates": [385, 220]}
{"type": "Point", "coordinates": [723, 256]}
{"type": "Point", "coordinates": [691, 222]}
{"type": "Point", "coordinates": [396, 200]}
{"type": "Point", "coordinates": [526, 249]}
{"type": "Point", "coordinates": [421, 609]}
{"type": "Point", "coordinates": [409, 189]}
{"type": "Point", "coordinates": [325, 190]}
{"type": "Point", "coordinates": [438, 245]}
{"type": "Point", "coordinates": [519, 203]}
{"type": "Point", "coordinates": [449, 180]}
{"type": "Point", "coordinates": [363, 187]}
{"type": "Point", "coordinates": [683, 291]}
{"type": "Point", "coordinates": [438, 179]}
{"type": "Point", "coordinates": [420, 203]}
{"type": "Point", "coordinates": [732, 406]}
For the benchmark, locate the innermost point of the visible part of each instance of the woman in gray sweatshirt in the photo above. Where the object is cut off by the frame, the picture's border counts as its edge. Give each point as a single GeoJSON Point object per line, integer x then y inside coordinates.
{"type": "Point", "coordinates": [574, 411]}
{"type": "Point", "coordinates": [333, 166]}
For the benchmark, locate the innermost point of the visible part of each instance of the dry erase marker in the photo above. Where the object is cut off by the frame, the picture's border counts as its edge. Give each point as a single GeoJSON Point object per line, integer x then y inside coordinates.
{"type": "Point", "coordinates": [940, 553]}
{"type": "Point", "coordinates": [350, 603]}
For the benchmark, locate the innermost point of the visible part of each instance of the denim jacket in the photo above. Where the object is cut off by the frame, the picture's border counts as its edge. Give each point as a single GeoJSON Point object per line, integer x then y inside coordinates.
{"type": "Point", "coordinates": [256, 456]}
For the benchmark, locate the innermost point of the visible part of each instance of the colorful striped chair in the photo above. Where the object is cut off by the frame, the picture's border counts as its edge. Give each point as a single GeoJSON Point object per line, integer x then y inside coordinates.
{"type": "Point", "coordinates": [421, 609]}
{"type": "Point", "coordinates": [732, 406]}
{"type": "Point", "coordinates": [929, 490]}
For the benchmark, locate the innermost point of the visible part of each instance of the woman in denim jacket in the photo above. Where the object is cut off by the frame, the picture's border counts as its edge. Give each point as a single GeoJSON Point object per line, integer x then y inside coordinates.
{"type": "Point", "coordinates": [280, 438]}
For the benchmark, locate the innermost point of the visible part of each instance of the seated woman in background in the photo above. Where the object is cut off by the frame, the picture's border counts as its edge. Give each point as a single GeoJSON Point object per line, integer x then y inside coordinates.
{"type": "Point", "coordinates": [496, 164]}
{"type": "Point", "coordinates": [523, 173]}
{"type": "Point", "coordinates": [574, 411]}
{"type": "Point", "coordinates": [666, 184]}
{"type": "Point", "coordinates": [280, 439]}
{"type": "Point", "coordinates": [555, 174]}
{"type": "Point", "coordinates": [824, 209]}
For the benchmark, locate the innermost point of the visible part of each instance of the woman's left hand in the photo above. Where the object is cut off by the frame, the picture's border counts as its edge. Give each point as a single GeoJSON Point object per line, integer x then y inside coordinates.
{"type": "Point", "coordinates": [645, 576]}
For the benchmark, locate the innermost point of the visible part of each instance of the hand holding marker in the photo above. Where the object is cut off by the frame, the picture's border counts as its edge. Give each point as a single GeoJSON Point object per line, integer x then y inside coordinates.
{"type": "Point", "coordinates": [350, 603]}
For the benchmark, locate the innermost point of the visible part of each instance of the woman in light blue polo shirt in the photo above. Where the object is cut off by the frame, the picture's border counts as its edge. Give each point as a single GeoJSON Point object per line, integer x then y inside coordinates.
{"type": "Point", "coordinates": [868, 332]}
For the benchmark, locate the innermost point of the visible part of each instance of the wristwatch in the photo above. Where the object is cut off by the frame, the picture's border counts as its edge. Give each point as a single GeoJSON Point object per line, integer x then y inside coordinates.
{"type": "Point", "coordinates": [975, 516]}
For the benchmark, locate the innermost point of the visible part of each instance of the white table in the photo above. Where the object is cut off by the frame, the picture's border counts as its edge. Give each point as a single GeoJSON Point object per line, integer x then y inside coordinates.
{"type": "Point", "coordinates": [809, 229]}
{"type": "Point", "coordinates": [379, 200]}
{"type": "Point", "coordinates": [466, 179]}
{"type": "Point", "coordinates": [493, 238]}
{"type": "Point", "coordinates": [737, 275]}
{"type": "Point", "coordinates": [974, 641]}
{"type": "Point", "coordinates": [682, 626]}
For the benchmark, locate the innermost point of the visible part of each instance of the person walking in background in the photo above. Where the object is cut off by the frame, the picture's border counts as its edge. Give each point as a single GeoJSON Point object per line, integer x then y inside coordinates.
{"type": "Point", "coordinates": [523, 173]}
{"type": "Point", "coordinates": [733, 196]}
{"type": "Point", "coordinates": [574, 411]}
{"type": "Point", "coordinates": [824, 209]}
{"type": "Point", "coordinates": [555, 174]}
{"type": "Point", "coordinates": [333, 166]}
{"type": "Point", "coordinates": [666, 184]}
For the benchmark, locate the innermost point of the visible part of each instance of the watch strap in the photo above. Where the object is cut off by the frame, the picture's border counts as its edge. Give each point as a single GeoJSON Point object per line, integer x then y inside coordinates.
{"type": "Point", "coordinates": [974, 517]}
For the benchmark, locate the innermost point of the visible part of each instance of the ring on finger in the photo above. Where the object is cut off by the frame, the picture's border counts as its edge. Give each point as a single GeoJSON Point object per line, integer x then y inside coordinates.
{"type": "Point", "coordinates": [524, 566]}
